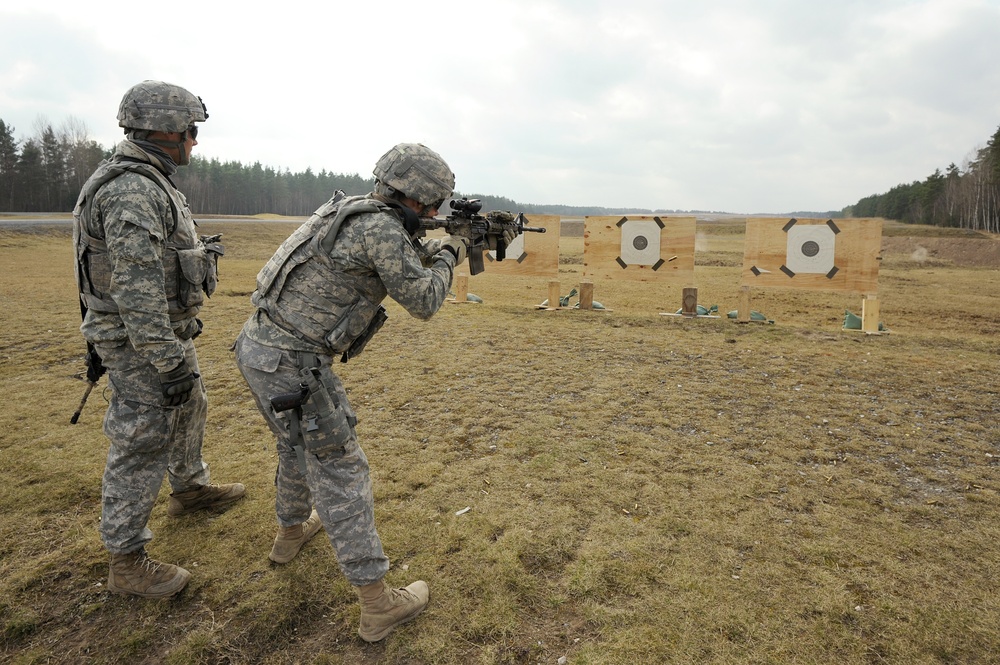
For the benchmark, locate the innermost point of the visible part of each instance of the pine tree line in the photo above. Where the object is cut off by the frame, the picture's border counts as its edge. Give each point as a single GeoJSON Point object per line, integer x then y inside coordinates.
{"type": "Point", "coordinates": [44, 173]}
{"type": "Point", "coordinates": [968, 198]}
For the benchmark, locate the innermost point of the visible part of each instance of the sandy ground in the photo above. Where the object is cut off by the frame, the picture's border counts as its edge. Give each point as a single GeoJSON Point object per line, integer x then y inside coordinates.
{"type": "Point", "coordinates": [978, 252]}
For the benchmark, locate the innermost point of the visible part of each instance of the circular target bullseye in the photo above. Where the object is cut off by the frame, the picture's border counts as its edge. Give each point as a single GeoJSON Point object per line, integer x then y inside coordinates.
{"type": "Point", "coordinates": [640, 243]}
{"type": "Point", "coordinates": [810, 249]}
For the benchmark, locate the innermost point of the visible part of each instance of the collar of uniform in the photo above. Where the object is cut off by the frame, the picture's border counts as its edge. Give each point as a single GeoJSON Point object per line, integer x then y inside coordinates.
{"type": "Point", "coordinates": [131, 150]}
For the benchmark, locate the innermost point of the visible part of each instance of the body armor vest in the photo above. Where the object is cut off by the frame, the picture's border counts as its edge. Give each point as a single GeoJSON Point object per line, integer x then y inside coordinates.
{"type": "Point", "coordinates": [305, 294]}
{"type": "Point", "coordinates": [189, 271]}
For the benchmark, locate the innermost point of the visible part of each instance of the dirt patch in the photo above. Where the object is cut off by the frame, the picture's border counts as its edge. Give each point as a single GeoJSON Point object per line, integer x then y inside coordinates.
{"type": "Point", "coordinates": [983, 251]}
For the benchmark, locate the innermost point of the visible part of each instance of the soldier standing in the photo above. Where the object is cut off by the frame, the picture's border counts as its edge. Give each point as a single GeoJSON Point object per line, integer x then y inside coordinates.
{"type": "Point", "coordinates": [319, 298]}
{"type": "Point", "coordinates": [143, 273]}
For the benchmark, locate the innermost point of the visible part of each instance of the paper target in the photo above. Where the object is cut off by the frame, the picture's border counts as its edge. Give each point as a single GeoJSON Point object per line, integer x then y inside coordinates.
{"type": "Point", "coordinates": [644, 248]}
{"type": "Point", "coordinates": [811, 249]}
{"type": "Point", "coordinates": [829, 255]}
{"type": "Point", "coordinates": [640, 244]}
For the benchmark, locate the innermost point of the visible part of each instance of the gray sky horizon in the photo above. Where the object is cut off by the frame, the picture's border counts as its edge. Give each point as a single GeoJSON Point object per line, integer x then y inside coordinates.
{"type": "Point", "coordinates": [741, 106]}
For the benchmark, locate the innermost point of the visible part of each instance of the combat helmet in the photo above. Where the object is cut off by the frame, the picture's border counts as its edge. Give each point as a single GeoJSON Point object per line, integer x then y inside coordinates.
{"type": "Point", "coordinates": [415, 171]}
{"type": "Point", "coordinates": [161, 107]}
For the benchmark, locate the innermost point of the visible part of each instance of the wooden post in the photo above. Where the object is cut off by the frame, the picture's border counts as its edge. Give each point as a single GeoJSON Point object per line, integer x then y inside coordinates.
{"type": "Point", "coordinates": [554, 294]}
{"type": "Point", "coordinates": [462, 288]}
{"type": "Point", "coordinates": [689, 302]}
{"type": "Point", "coordinates": [586, 295]}
{"type": "Point", "coordinates": [869, 314]}
{"type": "Point", "coordinates": [743, 305]}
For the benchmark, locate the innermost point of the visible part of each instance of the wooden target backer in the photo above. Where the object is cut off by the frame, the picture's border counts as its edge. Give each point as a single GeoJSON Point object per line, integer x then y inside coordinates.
{"type": "Point", "coordinates": [532, 254]}
{"type": "Point", "coordinates": [642, 248]}
{"type": "Point", "coordinates": [816, 254]}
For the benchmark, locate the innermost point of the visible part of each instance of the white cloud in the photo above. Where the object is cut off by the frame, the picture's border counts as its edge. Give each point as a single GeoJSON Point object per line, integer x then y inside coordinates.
{"type": "Point", "coordinates": [746, 106]}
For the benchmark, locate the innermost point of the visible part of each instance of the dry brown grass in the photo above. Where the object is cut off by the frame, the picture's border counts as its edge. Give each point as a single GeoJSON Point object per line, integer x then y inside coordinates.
{"type": "Point", "coordinates": [643, 489]}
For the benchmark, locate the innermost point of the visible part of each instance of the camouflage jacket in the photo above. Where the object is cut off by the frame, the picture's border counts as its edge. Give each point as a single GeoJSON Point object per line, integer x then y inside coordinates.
{"type": "Point", "coordinates": [323, 286]}
{"type": "Point", "coordinates": [142, 270]}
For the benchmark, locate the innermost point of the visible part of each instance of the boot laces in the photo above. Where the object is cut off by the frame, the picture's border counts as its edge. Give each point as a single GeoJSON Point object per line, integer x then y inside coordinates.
{"type": "Point", "coordinates": [145, 562]}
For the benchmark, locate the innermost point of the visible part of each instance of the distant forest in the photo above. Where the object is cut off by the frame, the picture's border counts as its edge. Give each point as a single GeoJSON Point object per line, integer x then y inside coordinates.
{"type": "Point", "coordinates": [44, 173]}
{"type": "Point", "coordinates": [967, 198]}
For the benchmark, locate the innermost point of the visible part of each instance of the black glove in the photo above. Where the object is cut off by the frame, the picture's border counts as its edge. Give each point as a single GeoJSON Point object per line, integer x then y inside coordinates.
{"type": "Point", "coordinates": [95, 367]}
{"type": "Point", "coordinates": [177, 384]}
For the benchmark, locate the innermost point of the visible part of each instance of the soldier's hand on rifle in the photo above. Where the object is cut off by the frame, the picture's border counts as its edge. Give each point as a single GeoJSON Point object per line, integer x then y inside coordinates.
{"type": "Point", "coordinates": [509, 236]}
{"type": "Point", "coordinates": [177, 384]}
{"type": "Point", "coordinates": [457, 245]}
{"type": "Point", "coordinates": [501, 241]}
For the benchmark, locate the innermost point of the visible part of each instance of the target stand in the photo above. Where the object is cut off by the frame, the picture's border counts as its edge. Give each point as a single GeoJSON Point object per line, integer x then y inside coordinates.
{"type": "Point", "coordinates": [813, 254]}
{"type": "Point", "coordinates": [586, 302]}
{"type": "Point", "coordinates": [869, 317]}
{"type": "Point", "coordinates": [743, 312]}
{"type": "Point", "coordinates": [462, 292]}
{"type": "Point", "coordinates": [689, 306]}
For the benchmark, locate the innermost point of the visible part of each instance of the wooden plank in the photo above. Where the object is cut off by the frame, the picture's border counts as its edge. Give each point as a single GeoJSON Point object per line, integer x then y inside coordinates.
{"type": "Point", "coordinates": [870, 314]}
{"type": "Point", "coordinates": [743, 305]}
{"type": "Point", "coordinates": [613, 249]}
{"type": "Point", "coordinates": [815, 254]}
{"type": "Point", "coordinates": [586, 295]}
{"type": "Point", "coordinates": [540, 255]}
{"type": "Point", "coordinates": [689, 301]}
{"type": "Point", "coordinates": [554, 294]}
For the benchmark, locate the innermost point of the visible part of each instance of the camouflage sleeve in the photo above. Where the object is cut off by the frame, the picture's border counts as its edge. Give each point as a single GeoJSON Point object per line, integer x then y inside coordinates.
{"type": "Point", "coordinates": [420, 290]}
{"type": "Point", "coordinates": [427, 250]}
{"type": "Point", "coordinates": [135, 213]}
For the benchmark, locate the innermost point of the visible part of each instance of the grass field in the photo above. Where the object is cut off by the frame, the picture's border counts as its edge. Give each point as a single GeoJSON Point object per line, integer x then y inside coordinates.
{"type": "Point", "coordinates": [641, 488]}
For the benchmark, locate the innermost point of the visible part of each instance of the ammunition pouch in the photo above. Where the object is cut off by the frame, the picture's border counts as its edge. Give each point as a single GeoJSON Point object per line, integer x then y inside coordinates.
{"type": "Point", "coordinates": [213, 250]}
{"type": "Point", "coordinates": [359, 343]}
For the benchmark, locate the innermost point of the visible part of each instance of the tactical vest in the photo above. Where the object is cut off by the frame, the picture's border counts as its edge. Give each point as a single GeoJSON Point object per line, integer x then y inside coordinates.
{"type": "Point", "coordinates": [189, 271]}
{"type": "Point", "coordinates": [302, 291]}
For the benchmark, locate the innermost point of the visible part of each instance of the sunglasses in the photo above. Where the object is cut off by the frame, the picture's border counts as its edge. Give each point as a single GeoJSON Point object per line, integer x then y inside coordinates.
{"type": "Point", "coordinates": [192, 131]}
{"type": "Point", "coordinates": [433, 206]}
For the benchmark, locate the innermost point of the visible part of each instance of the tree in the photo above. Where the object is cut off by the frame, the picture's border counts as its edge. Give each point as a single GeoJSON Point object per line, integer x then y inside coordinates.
{"type": "Point", "coordinates": [8, 165]}
{"type": "Point", "coordinates": [29, 179]}
{"type": "Point", "coordinates": [53, 185]}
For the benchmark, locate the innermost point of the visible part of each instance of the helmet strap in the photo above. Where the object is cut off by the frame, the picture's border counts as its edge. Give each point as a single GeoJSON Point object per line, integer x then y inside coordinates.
{"type": "Point", "coordinates": [411, 222]}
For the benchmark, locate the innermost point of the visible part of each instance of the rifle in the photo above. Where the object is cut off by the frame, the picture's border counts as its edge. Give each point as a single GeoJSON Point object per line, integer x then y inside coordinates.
{"type": "Point", "coordinates": [95, 370]}
{"type": "Point", "coordinates": [483, 232]}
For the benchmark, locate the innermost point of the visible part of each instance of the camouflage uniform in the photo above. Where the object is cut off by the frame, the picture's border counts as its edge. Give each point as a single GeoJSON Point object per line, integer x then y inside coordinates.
{"type": "Point", "coordinates": [317, 295]}
{"type": "Point", "coordinates": [143, 273]}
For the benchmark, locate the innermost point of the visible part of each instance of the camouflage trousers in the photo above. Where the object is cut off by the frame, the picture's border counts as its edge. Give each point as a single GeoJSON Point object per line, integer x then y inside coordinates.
{"type": "Point", "coordinates": [336, 480]}
{"type": "Point", "coordinates": [148, 440]}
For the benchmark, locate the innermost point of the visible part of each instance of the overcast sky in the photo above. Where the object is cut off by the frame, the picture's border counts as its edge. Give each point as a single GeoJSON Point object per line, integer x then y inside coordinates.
{"type": "Point", "coordinates": [738, 106]}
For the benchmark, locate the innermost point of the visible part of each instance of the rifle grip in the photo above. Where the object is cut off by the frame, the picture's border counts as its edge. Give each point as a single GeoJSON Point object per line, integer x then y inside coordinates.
{"type": "Point", "coordinates": [286, 401]}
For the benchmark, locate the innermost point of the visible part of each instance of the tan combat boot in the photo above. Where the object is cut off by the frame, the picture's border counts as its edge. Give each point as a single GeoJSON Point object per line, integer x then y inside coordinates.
{"type": "Point", "coordinates": [290, 539]}
{"type": "Point", "coordinates": [138, 575]}
{"type": "Point", "coordinates": [383, 608]}
{"type": "Point", "coordinates": [206, 497]}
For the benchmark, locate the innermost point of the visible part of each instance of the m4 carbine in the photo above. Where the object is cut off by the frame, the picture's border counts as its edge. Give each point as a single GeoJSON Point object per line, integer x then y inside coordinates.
{"type": "Point", "coordinates": [483, 232]}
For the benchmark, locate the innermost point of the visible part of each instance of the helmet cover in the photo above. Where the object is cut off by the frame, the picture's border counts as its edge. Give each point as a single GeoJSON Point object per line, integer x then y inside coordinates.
{"type": "Point", "coordinates": [159, 106]}
{"type": "Point", "coordinates": [417, 172]}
